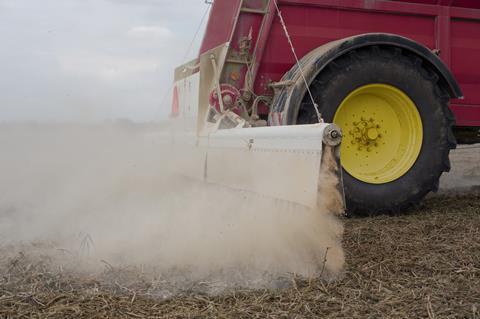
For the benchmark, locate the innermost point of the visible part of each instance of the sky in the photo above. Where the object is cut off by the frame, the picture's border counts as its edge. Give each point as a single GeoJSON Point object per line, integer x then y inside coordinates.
{"type": "Point", "coordinates": [93, 60]}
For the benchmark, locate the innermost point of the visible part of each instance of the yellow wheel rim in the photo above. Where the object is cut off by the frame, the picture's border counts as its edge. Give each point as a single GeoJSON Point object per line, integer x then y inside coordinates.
{"type": "Point", "coordinates": [383, 133]}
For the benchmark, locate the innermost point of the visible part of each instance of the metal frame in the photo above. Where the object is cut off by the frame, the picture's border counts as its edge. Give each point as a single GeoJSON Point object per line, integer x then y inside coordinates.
{"type": "Point", "coordinates": [230, 19]}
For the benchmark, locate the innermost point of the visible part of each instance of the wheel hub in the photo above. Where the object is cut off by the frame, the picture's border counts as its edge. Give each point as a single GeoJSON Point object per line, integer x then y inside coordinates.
{"type": "Point", "coordinates": [365, 134]}
{"type": "Point", "coordinates": [384, 133]}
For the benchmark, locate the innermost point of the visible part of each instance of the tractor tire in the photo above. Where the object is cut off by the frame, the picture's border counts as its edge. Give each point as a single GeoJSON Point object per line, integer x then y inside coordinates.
{"type": "Point", "coordinates": [396, 122]}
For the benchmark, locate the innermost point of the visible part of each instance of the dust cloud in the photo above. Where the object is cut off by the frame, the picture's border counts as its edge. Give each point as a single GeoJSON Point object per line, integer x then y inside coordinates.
{"type": "Point", "coordinates": [107, 194]}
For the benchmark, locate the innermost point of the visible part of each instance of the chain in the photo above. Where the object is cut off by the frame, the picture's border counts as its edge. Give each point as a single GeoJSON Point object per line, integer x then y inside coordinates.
{"type": "Point", "coordinates": [287, 34]}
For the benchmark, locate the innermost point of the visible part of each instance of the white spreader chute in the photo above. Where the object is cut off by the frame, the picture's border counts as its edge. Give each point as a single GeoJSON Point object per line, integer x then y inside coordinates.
{"type": "Point", "coordinates": [220, 147]}
{"type": "Point", "coordinates": [282, 162]}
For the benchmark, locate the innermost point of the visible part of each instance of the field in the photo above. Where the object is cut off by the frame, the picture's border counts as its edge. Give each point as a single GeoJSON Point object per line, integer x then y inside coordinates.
{"type": "Point", "coordinates": [422, 264]}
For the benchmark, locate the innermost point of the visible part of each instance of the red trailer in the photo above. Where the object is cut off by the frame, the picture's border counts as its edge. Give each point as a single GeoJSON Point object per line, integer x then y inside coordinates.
{"type": "Point", "coordinates": [401, 78]}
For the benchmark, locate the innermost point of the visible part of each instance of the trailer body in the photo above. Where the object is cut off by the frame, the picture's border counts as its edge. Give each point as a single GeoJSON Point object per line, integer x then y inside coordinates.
{"type": "Point", "coordinates": [450, 28]}
{"type": "Point", "coordinates": [399, 77]}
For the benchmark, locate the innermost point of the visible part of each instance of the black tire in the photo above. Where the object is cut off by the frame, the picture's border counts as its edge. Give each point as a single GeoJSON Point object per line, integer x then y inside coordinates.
{"type": "Point", "coordinates": [391, 66]}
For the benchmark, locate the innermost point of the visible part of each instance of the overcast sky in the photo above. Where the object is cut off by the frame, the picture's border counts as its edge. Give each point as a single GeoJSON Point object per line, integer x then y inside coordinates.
{"type": "Point", "coordinates": [90, 60]}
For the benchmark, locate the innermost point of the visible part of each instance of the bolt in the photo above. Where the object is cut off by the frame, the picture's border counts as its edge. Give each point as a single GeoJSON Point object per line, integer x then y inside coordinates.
{"type": "Point", "coordinates": [372, 134]}
{"type": "Point", "coordinates": [227, 100]}
{"type": "Point", "coordinates": [334, 134]}
{"type": "Point", "coordinates": [247, 95]}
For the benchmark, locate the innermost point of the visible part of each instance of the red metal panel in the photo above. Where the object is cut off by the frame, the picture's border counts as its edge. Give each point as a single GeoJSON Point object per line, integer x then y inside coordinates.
{"type": "Point", "coordinates": [466, 115]}
{"type": "Point", "coordinates": [311, 27]}
{"type": "Point", "coordinates": [375, 5]}
{"type": "Point", "coordinates": [465, 48]}
{"type": "Point", "coordinates": [262, 41]}
{"type": "Point", "coordinates": [474, 4]}
{"type": "Point", "coordinates": [221, 24]}
{"type": "Point", "coordinates": [420, 1]}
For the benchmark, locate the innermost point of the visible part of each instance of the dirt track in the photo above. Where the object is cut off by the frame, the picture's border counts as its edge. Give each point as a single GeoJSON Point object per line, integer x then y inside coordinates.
{"type": "Point", "coordinates": [419, 265]}
{"type": "Point", "coordinates": [465, 173]}
{"type": "Point", "coordinates": [422, 264]}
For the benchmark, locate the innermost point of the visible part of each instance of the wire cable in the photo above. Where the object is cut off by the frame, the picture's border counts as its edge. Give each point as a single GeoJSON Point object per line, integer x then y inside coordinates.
{"type": "Point", "coordinates": [184, 60]}
{"type": "Point", "coordinates": [292, 47]}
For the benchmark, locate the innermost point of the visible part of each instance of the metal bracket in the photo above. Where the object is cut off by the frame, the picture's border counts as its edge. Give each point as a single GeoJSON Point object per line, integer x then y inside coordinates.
{"type": "Point", "coordinates": [217, 82]}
